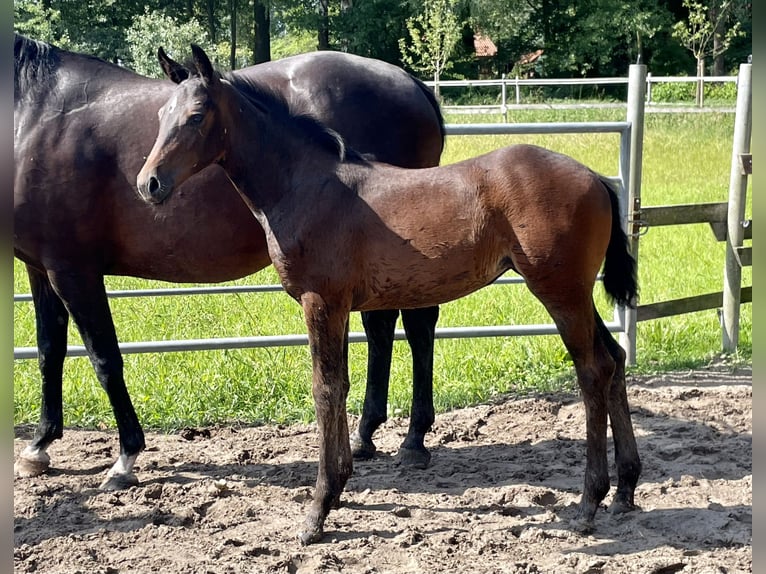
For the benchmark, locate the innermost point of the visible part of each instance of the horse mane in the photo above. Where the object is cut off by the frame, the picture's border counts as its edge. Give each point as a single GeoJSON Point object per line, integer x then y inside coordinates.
{"type": "Point", "coordinates": [34, 67]}
{"type": "Point", "coordinates": [275, 104]}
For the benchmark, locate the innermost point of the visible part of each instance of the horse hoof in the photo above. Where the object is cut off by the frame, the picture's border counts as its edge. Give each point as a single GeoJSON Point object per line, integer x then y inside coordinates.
{"type": "Point", "coordinates": [29, 468]}
{"type": "Point", "coordinates": [621, 506]}
{"type": "Point", "coordinates": [361, 449]}
{"type": "Point", "coordinates": [312, 532]}
{"type": "Point", "coordinates": [119, 482]}
{"type": "Point", "coordinates": [414, 458]}
{"type": "Point", "coordinates": [582, 525]}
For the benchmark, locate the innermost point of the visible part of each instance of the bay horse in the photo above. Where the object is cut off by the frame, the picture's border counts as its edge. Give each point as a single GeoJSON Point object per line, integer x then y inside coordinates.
{"type": "Point", "coordinates": [82, 129]}
{"type": "Point", "coordinates": [345, 233]}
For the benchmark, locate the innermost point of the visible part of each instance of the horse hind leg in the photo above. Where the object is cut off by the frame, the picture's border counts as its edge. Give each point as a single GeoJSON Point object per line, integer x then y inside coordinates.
{"type": "Point", "coordinates": [87, 303]}
{"type": "Point", "coordinates": [626, 455]}
{"type": "Point", "coordinates": [420, 324]}
{"type": "Point", "coordinates": [594, 366]}
{"type": "Point", "coordinates": [52, 320]}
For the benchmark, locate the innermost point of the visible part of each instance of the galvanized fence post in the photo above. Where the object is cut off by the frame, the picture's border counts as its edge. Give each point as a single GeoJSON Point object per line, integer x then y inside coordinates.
{"type": "Point", "coordinates": [635, 117]}
{"type": "Point", "coordinates": [732, 284]}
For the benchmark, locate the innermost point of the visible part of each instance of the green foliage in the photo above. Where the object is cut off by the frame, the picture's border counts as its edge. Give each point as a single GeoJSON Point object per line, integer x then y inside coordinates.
{"type": "Point", "coordinates": [35, 20]}
{"type": "Point", "coordinates": [372, 28]}
{"type": "Point", "coordinates": [697, 33]}
{"type": "Point", "coordinates": [433, 34]}
{"type": "Point", "coordinates": [299, 42]}
{"type": "Point", "coordinates": [151, 30]}
{"type": "Point", "coordinates": [684, 92]}
{"type": "Point", "coordinates": [593, 38]}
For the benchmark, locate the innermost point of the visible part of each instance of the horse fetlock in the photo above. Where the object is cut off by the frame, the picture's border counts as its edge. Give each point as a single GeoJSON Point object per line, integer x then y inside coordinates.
{"type": "Point", "coordinates": [33, 461]}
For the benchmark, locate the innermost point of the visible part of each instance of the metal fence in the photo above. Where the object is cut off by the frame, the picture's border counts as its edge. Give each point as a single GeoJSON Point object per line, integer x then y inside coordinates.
{"type": "Point", "coordinates": [516, 85]}
{"type": "Point", "coordinates": [624, 319]}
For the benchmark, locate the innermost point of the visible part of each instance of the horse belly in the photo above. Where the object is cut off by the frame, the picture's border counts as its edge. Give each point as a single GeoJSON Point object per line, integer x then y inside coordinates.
{"type": "Point", "coordinates": [422, 283]}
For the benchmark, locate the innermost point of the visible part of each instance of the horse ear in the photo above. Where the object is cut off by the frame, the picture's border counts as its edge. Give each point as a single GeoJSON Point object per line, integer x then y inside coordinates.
{"type": "Point", "coordinates": [202, 62]}
{"type": "Point", "coordinates": [172, 69]}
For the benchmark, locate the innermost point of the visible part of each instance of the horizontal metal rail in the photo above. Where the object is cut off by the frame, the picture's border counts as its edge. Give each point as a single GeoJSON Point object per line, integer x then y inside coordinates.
{"type": "Point", "coordinates": [537, 128]}
{"type": "Point", "coordinates": [218, 344]}
{"type": "Point", "coordinates": [513, 81]}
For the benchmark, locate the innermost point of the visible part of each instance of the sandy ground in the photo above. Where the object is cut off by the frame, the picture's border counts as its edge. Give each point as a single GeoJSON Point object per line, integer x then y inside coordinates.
{"type": "Point", "coordinates": [503, 485]}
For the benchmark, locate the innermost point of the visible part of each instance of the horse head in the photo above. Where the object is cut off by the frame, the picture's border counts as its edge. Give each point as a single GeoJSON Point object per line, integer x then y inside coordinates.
{"type": "Point", "coordinates": [192, 127]}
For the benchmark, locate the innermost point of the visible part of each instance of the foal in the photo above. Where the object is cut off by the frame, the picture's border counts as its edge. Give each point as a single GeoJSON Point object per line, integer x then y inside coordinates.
{"type": "Point", "coordinates": [348, 234]}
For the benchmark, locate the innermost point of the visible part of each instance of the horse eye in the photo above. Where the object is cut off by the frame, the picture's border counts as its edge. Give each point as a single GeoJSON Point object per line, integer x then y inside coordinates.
{"type": "Point", "coordinates": [195, 119]}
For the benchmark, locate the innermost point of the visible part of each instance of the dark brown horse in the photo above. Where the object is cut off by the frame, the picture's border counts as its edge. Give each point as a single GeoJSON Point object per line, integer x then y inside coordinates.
{"type": "Point", "coordinates": [82, 129]}
{"type": "Point", "coordinates": [345, 233]}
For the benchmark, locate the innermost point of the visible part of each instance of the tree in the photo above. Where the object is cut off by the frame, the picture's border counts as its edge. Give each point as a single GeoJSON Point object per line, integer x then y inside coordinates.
{"type": "Point", "coordinates": [434, 32]}
{"type": "Point", "coordinates": [38, 21]}
{"type": "Point", "coordinates": [151, 30]}
{"type": "Point", "coordinates": [372, 28]}
{"type": "Point", "coordinates": [698, 33]}
{"type": "Point", "coordinates": [261, 31]}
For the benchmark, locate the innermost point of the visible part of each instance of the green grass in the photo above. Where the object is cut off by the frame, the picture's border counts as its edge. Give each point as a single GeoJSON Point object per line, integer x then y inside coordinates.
{"type": "Point", "coordinates": [686, 160]}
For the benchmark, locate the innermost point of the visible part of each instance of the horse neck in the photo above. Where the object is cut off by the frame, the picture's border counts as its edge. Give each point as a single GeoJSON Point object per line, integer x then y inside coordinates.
{"type": "Point", "coordinates": [272, 161]}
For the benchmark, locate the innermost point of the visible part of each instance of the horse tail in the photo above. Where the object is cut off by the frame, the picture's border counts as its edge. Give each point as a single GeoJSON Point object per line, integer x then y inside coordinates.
{"type": "Point", "coordinates": [620, 280]}
{"type": "Point", "coordinates": [431, 97]}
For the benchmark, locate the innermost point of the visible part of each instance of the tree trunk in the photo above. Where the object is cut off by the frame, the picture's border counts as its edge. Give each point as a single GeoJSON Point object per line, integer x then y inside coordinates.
{"type": "Point", "coordinates": [323, 27]}
{"type": "Point", "coordinates": [190, 8]}
{"type": "Point", "coordinates": [211, 21]}
{"type": "Point", "coordinates": [233, 34]}
{"type": "Point", "coordinates": [699, 96]}
{"type": "Point", "coordinates": [718, 61]}
{"type": "Point", "coordinates": [262, 37]}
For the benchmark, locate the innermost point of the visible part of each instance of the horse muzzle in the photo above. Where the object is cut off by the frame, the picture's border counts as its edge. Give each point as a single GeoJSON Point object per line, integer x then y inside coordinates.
{"type": "Point", "coordinates": [152, 188]}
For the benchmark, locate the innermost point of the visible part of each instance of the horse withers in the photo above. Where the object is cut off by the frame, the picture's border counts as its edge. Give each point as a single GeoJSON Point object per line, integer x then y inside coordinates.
{"type": "Point", "coordinates": [345, 233]}
{"type": "Point", "coordinates": [82, 129]}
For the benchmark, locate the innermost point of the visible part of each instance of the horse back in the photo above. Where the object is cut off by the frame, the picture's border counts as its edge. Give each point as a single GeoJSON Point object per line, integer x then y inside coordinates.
{"type": "Point", "coordinates": [381, 110]}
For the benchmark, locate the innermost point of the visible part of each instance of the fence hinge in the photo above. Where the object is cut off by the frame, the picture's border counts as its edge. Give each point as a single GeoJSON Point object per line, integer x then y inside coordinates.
{"type": "Point", "coordinates": [637, 226]}
{"type": "Point", "coordinates": [746, 163]}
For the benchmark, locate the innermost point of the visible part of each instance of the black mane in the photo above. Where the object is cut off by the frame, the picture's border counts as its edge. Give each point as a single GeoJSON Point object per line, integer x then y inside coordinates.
{"type": "Point", "coordinates": [34, 67]}
{"type": "Point", "coordinates": [280, 109]}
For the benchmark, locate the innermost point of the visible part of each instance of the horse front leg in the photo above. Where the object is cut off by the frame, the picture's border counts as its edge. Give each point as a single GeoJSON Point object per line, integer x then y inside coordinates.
{"type": "Point", "coordinates": [328, 340]}
{"type": "Point", "coordinates": [52, 320]}
{"type": "Point", "coordinates": [87, 303]}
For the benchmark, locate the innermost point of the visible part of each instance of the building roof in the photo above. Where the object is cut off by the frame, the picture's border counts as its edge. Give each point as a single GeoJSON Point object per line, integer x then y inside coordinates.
{"type": "Point", "coordinates": [483, 46]}
{"type": "Point", "coordinates": [531, 57]}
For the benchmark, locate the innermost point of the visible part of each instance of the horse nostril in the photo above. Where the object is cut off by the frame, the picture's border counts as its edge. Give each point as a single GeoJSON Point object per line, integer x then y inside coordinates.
{"type": "Point", "coordinates": [154, 185]}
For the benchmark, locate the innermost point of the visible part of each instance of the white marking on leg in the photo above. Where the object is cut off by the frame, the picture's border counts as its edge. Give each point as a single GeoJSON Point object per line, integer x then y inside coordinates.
{"type": "Point", "coordinates": [123, 466]}
{"type": "Point", "coordinates": [35, 454]}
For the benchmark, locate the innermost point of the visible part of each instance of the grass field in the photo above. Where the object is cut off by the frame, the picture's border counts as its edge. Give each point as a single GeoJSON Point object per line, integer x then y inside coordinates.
{"type": "Point", "coordinates": [686, 160]}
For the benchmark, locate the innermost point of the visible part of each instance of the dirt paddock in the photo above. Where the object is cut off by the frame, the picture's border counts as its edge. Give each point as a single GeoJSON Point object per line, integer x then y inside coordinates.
{"type": "Point", "coordinates": [498, 496]}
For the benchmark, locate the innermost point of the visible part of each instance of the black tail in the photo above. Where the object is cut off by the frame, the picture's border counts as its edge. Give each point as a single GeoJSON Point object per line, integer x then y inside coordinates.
{"type": "Point", "coordinates": [620, 280]}
{"type": "Point", "coordinates": [431, 97]}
